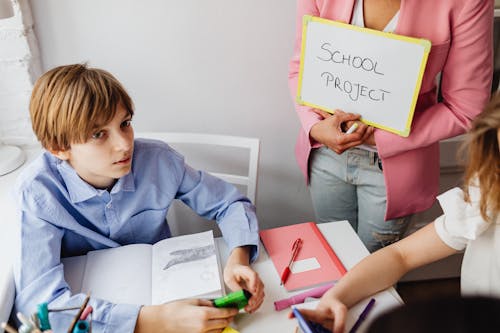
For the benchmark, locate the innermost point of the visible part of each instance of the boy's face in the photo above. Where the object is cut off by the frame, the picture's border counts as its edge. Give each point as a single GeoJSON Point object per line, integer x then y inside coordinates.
{"type": "Point", "coordinates": [107, 154]}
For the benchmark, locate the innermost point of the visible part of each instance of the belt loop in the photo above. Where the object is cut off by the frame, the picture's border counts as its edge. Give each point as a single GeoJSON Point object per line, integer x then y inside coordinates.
{"type": "Point", "coordinates": [373, 157]}
{"type": "Point", "coordinates": [379, 162]}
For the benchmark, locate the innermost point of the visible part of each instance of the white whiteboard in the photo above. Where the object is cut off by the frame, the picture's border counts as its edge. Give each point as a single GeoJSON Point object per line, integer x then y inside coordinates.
{"type": "Point", "coordinates": [364, 71]}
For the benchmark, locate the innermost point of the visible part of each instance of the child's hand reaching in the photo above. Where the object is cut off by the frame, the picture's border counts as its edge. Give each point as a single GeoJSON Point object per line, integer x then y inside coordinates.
{"type": "Point", "coordinates": [239, 275]}
{"type": "Point", "coordinates": [331, 313]}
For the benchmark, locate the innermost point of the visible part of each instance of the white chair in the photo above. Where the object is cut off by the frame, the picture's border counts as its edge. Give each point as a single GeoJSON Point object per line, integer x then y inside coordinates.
{"type": "Point", "coordinates": [238, 157]}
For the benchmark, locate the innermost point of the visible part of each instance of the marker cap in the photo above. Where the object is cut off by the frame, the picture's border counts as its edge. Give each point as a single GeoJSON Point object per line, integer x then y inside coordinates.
{"type": "Point", "coordinates": [238, 299]}
{"type": "Point", "coordinates": [43, 316]}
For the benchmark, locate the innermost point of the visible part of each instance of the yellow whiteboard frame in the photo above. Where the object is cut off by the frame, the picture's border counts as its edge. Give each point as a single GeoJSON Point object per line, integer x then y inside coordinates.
{"type": "Point", "coordinates": [306, 19]}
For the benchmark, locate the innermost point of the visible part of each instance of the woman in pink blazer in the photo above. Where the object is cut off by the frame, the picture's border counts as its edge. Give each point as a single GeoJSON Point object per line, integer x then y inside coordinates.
{"type": "Point", "coordinates": [397, 176]}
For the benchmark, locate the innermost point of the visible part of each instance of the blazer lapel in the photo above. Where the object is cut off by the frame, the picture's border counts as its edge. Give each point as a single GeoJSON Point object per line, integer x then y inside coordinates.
{"type": "Point", "coordinates": [347, 10]}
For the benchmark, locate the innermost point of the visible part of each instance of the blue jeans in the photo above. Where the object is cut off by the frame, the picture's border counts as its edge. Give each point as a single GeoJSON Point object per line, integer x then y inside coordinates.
{"type": "Point", "coordinates": [350, 186]}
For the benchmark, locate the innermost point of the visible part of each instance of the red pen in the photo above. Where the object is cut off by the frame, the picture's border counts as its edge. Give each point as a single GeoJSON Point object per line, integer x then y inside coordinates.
{"type": "Point", "coordinates": [297, 244]}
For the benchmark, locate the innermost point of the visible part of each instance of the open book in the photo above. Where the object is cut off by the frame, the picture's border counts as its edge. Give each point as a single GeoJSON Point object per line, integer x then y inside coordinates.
{"type": "Point", "coordinates": [171, 269]}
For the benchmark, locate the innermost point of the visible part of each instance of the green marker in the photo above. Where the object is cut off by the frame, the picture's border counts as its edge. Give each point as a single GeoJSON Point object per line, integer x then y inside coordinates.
{"type": "Point", "coordinates": [43, 316]}
{"type": "Point", "coordinates": [237, 299]}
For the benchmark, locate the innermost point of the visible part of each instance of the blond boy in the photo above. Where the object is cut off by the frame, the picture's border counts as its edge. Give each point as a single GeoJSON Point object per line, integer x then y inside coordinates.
{"type": "Point", "coordinates": [96, 187]}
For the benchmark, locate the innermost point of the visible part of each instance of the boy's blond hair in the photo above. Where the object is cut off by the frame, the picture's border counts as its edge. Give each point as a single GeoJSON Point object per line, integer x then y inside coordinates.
{"type": "Point", "coordinates": [69, 103]}
{"type": "Point", "coordinates": [483, 160]}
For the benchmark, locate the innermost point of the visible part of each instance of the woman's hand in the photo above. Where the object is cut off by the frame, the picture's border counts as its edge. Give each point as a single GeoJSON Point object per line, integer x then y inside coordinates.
{"type": "Point", "coordinates": [331, 130]}
{"type": "Point", "coordinates": [239, 275]}
{"type": "Point", "coordinates": [192, 315]}
{"type": "Point", "coordinates": [370, 140]}
{"type": "Point", "coordinates": [330, 313]}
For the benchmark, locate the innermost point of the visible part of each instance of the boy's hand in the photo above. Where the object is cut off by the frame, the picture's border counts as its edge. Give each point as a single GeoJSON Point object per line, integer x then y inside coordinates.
{"type": "Point", "coordinates": [191, 315]}
{"type": "Point", "coordinates": [239, 275]}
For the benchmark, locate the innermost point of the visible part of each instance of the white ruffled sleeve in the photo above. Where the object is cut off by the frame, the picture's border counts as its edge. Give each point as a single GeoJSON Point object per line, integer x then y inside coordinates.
{"type": "Point", "coordinates": [461, 221]}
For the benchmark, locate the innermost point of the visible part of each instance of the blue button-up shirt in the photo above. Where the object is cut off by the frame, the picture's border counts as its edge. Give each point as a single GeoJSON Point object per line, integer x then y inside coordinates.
{"type": "Point", "coordinates": [61, 215]}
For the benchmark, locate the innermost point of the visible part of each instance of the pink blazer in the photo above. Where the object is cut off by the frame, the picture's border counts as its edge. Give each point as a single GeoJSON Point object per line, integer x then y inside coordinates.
{"type": "Point", "coordinates": [461, 36]}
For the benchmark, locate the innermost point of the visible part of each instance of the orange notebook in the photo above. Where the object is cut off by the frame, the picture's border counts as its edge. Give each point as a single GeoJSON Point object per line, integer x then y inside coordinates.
{"type": "Point", "coordinates": [315, 263]}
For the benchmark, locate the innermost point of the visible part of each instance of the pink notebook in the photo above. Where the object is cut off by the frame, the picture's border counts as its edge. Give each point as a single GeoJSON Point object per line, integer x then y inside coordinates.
{"type": "Point", "coordinates": [315, 249]}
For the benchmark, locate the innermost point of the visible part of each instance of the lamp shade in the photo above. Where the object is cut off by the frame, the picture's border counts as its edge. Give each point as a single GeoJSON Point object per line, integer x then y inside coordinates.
{"type": "Point", "coordinates": [11, 158]}
{"type": "Point", "coordinates": [6, 9]}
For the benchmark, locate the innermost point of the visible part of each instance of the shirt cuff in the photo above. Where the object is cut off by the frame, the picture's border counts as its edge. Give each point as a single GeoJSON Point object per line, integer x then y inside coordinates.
{"type": "Point", "coordinates": [254, 253]}
{"type": "Point", "coordinates": [253, 244]}
{"type": "Point", "coordinates": [123, 318]}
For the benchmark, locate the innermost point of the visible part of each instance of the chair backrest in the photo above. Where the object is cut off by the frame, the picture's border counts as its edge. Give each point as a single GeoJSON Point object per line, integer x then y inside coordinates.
{"type": "Point", "coordinates": [219, 152]}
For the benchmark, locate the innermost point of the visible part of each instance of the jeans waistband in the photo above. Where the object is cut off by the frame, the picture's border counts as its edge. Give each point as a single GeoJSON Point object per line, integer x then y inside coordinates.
{"type": "Point", "coordinates": [372, 156]}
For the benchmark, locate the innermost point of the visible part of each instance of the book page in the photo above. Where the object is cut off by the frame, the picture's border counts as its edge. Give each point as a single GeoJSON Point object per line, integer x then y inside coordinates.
{"type": "Point", "coordinates": [74, 268]}
{"type": "Point", "coordinates": [120, 275]}
{"type": "Point", "coordinates": [185, 267]}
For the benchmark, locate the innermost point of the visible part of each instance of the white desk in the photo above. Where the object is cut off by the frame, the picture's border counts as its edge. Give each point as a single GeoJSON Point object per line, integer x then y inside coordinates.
{"type": "Point", "coordinates": [340, 235]}
{"type": "Point", "coordinates": [350, 251]}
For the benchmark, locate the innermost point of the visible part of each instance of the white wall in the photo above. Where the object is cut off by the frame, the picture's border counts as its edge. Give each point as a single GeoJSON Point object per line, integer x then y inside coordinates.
{"type": "Point", "coordinates": [19, 67]}
{"type": "Point", "coordinates": [217, 66]}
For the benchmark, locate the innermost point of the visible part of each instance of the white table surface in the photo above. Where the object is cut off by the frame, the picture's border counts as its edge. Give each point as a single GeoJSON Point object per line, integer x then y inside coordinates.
{"type": "Point", "coordinates": [350, 250]}
{"type": "Point", "coordinates": [340, 235]}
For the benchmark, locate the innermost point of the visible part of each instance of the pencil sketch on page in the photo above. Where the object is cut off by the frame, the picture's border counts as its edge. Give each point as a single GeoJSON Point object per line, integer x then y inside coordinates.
{"type": "Point", "coordinates": [185, 267]}
{"type": "Point", "coordinates": [192, 254]}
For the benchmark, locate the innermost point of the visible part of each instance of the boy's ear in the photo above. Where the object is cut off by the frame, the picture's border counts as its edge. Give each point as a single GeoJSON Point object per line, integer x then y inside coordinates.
{"type": "Point", "coordinates": [61, 154]}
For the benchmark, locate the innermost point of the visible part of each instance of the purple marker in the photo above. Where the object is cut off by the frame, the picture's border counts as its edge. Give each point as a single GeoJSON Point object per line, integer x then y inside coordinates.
{"type": "Point", "coordinates": [299, 298]}
{"type": "Point", "coordinates": [362, 316]}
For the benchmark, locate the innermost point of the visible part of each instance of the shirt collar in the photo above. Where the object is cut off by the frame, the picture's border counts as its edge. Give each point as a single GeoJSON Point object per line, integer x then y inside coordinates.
{"type": "Point", "coordinates": [125, 183]}
{"type": "Point", "coordinates": [80, 191]}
